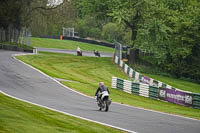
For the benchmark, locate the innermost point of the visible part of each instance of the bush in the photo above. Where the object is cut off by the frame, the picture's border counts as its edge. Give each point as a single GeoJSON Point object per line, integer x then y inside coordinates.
{"type": "Point", "coordinates": [95, 33]}
{"type": "Point", "coordinates": [126, 39]}
{"type": "Point", "coordinates": [111, 32]}
{"type": "Point", "coordinates": [82, 28]}
{"type": "Point", "coordinates": [87, 27]}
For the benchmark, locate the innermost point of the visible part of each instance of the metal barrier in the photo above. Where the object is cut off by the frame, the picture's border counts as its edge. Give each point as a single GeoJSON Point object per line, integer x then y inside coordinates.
{"type": "Point", "coordinates": [160, 92]}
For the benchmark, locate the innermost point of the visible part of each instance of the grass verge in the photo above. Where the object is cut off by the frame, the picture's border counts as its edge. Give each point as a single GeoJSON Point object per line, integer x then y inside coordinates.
{"type": "Point", "coordinates": [88, 71]}
{"type": "Point", "coordinates": [155, 73]}
{"type": "Point", "coordinates": [67, 44]}
{"type": "Point", "coordinates": [177, 83]}
{"type": "Point", "coordinates": [21, 117]}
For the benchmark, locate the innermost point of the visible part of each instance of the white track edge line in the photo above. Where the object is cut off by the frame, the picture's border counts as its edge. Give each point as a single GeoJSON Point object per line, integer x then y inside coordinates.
{"type": "Point", "coordinates": [122, 129]}
{"type": "Point", "coordinates": [93, 97]}
{"type": "Point", "coordinates": [49, 76]}
{"type": "Point", "coordinates": [67, 88]}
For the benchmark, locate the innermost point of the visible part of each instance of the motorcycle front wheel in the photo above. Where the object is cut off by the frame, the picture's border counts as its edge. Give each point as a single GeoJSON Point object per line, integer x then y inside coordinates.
{"type": "Point", "coordinates": [106, 106]}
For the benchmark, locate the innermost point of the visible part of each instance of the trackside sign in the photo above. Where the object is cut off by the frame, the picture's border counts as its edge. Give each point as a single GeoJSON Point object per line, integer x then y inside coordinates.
{"type": "Point", "coordinates": [175, 96]}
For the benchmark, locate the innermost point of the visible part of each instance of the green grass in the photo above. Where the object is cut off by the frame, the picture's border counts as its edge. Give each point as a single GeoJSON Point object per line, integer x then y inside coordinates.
{"type": "Point", "coordinates": [177, 83]}
{"type": "Point", "coordinates": [88, 71]}
{"type": "Point", "coordinates": [20, 117]}
{"type": "Point", "coordinates": [67, 44]}
{"type": "Point", "coordinates": [156, 73]}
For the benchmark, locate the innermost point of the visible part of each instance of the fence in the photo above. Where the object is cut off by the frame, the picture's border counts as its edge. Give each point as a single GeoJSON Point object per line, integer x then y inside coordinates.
{"type": "Point", "coordinates": [160, 93]}
{"type": "Point", "coordinates": [15, 36]}
{"type": "Point", "coordinates": [137, 77]}
{"type": "Point", "coordinates": [82, 40]}
{"type": "Point", "coordinates": [140, 83]}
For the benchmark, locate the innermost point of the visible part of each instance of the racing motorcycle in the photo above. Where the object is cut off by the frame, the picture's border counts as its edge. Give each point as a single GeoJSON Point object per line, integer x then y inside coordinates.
{"type": "Point", "coordinates": [103, 101]}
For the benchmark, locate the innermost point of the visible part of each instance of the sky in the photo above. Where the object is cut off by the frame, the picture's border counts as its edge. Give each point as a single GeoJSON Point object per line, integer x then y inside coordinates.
{"type": "Point", "coordinates": [54, 2]}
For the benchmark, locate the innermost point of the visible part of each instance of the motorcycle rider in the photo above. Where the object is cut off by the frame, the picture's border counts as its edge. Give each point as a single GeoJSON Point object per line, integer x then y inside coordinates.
{"type": "Point", "coordinates": [79, 52]}
{"type": "Point", "coordinates": [101, 89]}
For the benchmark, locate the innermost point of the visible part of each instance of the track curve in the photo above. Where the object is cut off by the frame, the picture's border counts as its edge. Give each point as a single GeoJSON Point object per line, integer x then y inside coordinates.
{"type": "Point", "coordinates": [85, 53]}
{"type": "Point", "coordinates": [23, 82]}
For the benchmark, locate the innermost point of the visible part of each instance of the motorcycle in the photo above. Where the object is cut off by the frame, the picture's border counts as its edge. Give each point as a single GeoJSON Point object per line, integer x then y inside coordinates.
{"type": "Point", "coordinates": [104, 101]}
{"type": "Point", "coordinates": [79, 53]}
{"type": "Point", "coordinates": [96, 53]}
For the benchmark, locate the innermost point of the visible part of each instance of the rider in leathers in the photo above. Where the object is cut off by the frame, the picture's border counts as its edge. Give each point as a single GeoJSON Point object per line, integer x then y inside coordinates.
{"type": "Point", "coordinates": [100, 89]}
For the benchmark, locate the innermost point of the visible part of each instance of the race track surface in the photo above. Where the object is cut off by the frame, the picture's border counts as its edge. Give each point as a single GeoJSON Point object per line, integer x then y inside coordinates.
{"type": "Point", "coordinates": [23, 82]}
{"type": "Point", "coordinates": [85, 53]}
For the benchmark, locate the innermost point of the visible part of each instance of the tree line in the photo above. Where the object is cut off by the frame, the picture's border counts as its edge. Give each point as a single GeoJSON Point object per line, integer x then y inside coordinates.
{"type": "Point", "coordinates": [169, 30]}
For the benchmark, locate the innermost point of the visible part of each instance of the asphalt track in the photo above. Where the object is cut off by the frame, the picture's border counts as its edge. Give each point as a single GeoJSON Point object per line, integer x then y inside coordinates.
{"type": "Point", "coordinates": [21, 81]}
{"type": "Point", "coordinates": [85, 53]}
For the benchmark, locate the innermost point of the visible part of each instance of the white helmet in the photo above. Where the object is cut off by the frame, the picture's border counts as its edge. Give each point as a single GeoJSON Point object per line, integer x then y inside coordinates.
{"type": "Point", "coordinates": [101, 83]}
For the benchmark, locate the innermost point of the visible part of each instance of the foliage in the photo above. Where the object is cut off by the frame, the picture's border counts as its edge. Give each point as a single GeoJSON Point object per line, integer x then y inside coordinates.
{"type": "Point", "coordinates": [96, 8]}
{"type": "Point", "coordinates": [126, 38]}
{"type": "Point", "coordinates": [171, 31]}
{"type": "Point", "coordinates": [111, 32]}
{"type": "Point", "coordinates": [129, 13]}
{"type": "Point", "coordinates": [51, 22]}
{"type": "Point", "coordinates": [87, 27]}
{"type": "Point", "coordinates": [16, 13]}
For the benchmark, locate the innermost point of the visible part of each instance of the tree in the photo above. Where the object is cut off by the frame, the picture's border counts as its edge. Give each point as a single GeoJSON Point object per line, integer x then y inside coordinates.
{"type": "Point", "coordinates": [128, 12]}
{"type": "Point", "coordinates": [112, 32]}
{"type": "Point", "coordinates": [96, 8]}
{"type": "Point", "coordinates": [170, 31]}
{"type": "Point", "coordinates": [51, 22]}
{"type": "Point", "coordinates": [16, 13]}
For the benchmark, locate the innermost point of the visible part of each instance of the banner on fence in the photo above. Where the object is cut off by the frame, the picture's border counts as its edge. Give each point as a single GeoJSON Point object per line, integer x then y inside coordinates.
{"type": "Point", "coordinates": [175, 96]}
{"type": "Point", "coordinates": [145, 80]}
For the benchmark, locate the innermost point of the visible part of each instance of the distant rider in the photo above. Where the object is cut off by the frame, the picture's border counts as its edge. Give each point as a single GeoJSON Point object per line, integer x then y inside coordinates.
{"type": "Point", "coordinates": [79, 52]}
{"type": "Point", "coordinates": [101, 89]}
{"type": "Point", "coordinates": [96, 53]}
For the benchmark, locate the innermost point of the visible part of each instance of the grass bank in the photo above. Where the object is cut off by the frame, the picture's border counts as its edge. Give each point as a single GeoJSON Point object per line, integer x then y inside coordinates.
{"type": "Point", "coordinates": [177, 83]}
{"type": "Point", "coordinates": [20, 117]}
{"type": "Point", "coordinates": [88, 71]}
{"type": "Point", "coordinates": [67, 44]}
{"type": "Point", "coordinates": [155, 73]}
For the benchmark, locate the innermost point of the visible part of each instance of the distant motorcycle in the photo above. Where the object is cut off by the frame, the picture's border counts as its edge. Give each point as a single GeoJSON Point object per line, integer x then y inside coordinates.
{"type": "Point", "coordinates": [96, 53]}
{"type": "Point", "coordinates": [79, 53]}
{"type": "Point", "coordinates": [104, 101]}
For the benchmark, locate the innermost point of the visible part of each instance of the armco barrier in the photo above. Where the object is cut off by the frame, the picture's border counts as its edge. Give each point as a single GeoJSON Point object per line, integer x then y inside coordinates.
{"type": "Point", "coordinates": [114, 82]}
{"type": "Point", "coordinates": [16, 48]}
{"type": "Point", "coordinates": [127, 86]}
{"type": "Point", "coordinates": [120, 84]}
{"type": "Point", "coordinates": [137, 77]}
{"type": "Point", "coordinates": [196, 100]}
{"type": "Point", "coordinates": [144, 90]}
{"type": "Point", "coordinates": [159, 93]}
{"type": "Point", "coordinates": [90, 41]}
{"type": "Point", "coordinates": [135, 88]}
{"type": "Point", "coordinates": [81, 40]}
{"type": "Point", "coordinates": [153, 92]}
